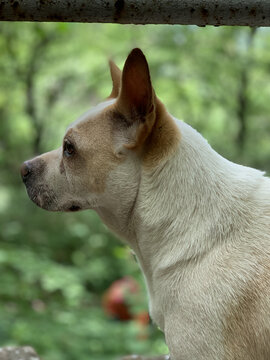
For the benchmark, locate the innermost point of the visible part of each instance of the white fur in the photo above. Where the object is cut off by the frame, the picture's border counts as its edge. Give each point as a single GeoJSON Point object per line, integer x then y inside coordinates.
{"type": "Point", "coordinates": [200, 227]}
{"type": "Point", "coordinates": [194, 222]}
{"type": "Point", "coordinates": [94, 111]}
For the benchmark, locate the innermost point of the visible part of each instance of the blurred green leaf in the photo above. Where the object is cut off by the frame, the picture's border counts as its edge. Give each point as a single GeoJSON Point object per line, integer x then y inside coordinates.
{"type": "Point", "coordinates": [55, 268]}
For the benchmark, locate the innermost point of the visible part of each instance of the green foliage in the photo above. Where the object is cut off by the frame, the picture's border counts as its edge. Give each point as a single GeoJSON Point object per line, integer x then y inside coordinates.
{"type": "Point", "coordinates": [55, 267]}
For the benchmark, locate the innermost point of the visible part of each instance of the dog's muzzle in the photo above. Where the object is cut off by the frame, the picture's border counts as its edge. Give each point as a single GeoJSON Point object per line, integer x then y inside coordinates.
{"type": "Point", "coordinates": [32, 173]}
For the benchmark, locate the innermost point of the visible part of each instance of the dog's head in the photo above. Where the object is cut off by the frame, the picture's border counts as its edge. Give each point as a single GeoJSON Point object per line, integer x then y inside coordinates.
{"type": "Point", "coordinates": [103, 151]}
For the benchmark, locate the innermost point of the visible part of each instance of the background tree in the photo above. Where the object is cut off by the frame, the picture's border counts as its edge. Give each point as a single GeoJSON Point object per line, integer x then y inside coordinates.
{"type": "Point", "coordinates": [55, 268]}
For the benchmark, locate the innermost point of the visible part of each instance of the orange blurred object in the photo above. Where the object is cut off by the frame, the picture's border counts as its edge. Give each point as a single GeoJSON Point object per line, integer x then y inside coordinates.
{"type": "Point", "coordinates": [115, 301]}
{"type": "Point", "coordinates": [142, 318]}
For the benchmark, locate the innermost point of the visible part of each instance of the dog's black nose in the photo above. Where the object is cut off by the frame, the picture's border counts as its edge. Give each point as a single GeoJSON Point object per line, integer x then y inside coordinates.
{"type": "Point", "coordinates": [25, 171]}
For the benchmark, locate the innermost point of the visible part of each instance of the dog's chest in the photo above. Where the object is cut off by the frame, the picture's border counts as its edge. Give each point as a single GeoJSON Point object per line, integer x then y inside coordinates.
{"type": "Point", "coordinates": [156, 307]}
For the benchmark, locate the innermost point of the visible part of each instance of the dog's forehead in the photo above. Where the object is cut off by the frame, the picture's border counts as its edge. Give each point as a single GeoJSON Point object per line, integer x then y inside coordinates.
{"type": "Point", "coordinates": [90, 114]}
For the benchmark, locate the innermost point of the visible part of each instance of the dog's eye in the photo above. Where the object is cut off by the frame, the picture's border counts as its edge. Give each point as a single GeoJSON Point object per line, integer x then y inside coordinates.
{"type": "Point", "coordinates": [68, 148]}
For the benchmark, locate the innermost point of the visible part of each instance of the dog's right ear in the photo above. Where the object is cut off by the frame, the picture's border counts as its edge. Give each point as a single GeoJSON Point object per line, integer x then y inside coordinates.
{"type": "Point", "coordinates": [116, 75]}
{"type": "Point", "coordinates": [136, 98]}
{"type": "Point", "coordinates": [136, 102]}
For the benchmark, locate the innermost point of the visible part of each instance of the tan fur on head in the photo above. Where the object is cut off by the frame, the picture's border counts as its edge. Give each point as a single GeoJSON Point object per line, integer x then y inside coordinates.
{"type": "Point", "coordinates": [156, 134]}
{"type": "Point", "coordinates": [119, 130]}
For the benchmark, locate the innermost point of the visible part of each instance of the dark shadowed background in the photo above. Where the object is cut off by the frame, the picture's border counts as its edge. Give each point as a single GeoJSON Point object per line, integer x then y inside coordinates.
{"type": "Point", "coordinates": [56, 269]}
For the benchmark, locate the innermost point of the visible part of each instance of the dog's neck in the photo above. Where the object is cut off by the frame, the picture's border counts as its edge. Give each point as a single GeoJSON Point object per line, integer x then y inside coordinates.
{"type": "Point", "coordinates": [192, 202]}
{"type": "Point", "coordinates": [185, 206]}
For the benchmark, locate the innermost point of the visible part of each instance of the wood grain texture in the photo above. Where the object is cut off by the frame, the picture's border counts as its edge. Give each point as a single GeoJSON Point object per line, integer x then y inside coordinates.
{"type": "Point", "coordinates": [194, 12]}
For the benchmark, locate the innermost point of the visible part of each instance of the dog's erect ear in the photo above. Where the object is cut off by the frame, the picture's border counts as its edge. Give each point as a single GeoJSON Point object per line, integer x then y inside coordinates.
{"type": "Point", "coordinates": [116, 74]}
{"type": "Point", "coordinates": [136, 101]}
{"type": "Point", "coordinates": [136, 97]}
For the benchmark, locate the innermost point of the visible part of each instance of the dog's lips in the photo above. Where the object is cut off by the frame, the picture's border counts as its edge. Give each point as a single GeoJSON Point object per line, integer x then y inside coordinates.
{"type": "Point", "coordinates": [42, 196]}
{"type": "Point", "coordinates": [46, 199]}
{"type": "Point", "coordinates": [74, 208]}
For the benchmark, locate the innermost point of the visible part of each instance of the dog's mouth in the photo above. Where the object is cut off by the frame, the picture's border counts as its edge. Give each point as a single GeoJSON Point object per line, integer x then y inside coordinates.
{"type": "Point", "coordinates": [74, 208]}
{"type": "Point", "coordinates": [43, 197]}
{"type": "Point", "coordinates": [46, 199]}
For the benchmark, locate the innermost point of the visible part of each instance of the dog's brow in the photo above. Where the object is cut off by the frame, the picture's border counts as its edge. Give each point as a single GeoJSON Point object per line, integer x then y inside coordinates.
{"type": "Point", "coordinates": [69, 134]}
{"type": "Point", "coordinates": [69, 130]}
{"type": "Point", "coordinates": [121, 118]}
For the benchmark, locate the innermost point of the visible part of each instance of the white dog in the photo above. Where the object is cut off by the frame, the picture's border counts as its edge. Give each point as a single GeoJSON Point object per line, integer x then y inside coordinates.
{"type": "Point", "coordinates": [198, 223]}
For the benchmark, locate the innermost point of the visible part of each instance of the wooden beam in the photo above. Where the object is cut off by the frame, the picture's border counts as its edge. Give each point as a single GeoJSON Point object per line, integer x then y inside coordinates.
{"type": "Point", "coordinates": [195, 12]}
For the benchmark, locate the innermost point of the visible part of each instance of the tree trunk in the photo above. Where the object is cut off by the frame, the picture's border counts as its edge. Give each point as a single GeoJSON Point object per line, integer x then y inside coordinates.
{"type": "Point", "coordinates": [138, 357]}
{"type": "Point", "coordinates": [196, 12]}
{"type": "Point", "coordinates": [243, 99]}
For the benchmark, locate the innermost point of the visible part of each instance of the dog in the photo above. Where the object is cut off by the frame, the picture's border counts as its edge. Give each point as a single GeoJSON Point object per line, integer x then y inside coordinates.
{"type": "Point", "coordinates": [198, 223]}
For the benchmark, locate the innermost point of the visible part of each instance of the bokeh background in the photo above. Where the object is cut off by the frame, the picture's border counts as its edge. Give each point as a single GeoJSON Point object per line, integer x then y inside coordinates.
{"type": "Point", "coordinates": [56, 270]}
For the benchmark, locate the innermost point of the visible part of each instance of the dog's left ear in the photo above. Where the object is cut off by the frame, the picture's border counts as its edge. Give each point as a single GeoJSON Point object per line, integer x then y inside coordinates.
{"type": "Point", "coordinates": [116, 74]}
{"type": "Point", "coordinates": [136, 101]}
